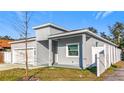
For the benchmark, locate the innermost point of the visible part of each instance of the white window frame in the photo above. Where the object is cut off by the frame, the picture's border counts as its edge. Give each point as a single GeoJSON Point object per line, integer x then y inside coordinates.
{"type": "Point", "coordinates": [67, 54]}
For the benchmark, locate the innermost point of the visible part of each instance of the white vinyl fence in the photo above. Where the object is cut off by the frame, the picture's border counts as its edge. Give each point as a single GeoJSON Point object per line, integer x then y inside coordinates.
{"type": "Point", "coordinates": [105, 56]}
{"type": "Point", "coordinates": [7, 57]}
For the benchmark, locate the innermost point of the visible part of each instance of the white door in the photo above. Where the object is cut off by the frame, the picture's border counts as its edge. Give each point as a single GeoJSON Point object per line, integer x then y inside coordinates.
{"type": "Point", "coordinates": [19, 56]}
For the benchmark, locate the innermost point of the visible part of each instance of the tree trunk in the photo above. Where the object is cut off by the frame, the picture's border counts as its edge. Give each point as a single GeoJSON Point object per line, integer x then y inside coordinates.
{"type": "Point", "coordinates": [26, 59]}
{"type": "Point", "coordinates": [26, 51]}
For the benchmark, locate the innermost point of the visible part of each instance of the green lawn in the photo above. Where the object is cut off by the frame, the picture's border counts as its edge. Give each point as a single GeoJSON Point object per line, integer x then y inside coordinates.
{"type": "Point", "coordinates": [49, 74]}
{"type": "Point", "coordinates": [57, 73]}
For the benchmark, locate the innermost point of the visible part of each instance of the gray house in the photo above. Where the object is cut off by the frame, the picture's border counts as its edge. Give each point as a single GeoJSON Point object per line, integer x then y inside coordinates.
{"type": "Point", "coordinates": [56, 46]}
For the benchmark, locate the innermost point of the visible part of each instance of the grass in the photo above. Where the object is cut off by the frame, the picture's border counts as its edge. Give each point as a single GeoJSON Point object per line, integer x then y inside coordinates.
{"type": "Point", "coordinates": [58, 74]}
{"type": "Point", "coordinates": [111, 70]}
{"type": "Point", "coordinates": [48, 74]}
{"type": "Point", "coordinates": [119, 64]}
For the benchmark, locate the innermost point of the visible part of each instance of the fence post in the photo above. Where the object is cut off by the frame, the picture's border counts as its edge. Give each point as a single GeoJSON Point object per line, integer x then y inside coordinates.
{"type": "Point", "coordinates": [105, 56]}
{"type": "Point", "coordinates": [98, 69]}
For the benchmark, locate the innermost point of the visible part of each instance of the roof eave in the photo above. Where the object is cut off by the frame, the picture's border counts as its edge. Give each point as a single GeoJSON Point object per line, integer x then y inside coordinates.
{"type": "Point", "coordinates": [20, 41]}
{"type": "Point", "coordinates": [48, 25]}
{"type": "Point", "coordinates": [83, 31]}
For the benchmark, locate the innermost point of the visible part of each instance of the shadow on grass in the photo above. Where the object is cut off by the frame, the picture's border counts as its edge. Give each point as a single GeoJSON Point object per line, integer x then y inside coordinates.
{"type": "Point", "coordinates": [114, 66]}
{"type": "Point", "coordinates": [94, 69]}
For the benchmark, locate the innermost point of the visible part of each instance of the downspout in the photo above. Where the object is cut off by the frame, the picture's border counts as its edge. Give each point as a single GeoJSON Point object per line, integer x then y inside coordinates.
{"type": "Point", "coordinates": [81, 55]}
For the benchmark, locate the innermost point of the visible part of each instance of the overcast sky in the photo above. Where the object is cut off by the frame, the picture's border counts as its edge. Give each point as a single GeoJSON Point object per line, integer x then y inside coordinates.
{"type": "Point", "coordinates": [70, 20]}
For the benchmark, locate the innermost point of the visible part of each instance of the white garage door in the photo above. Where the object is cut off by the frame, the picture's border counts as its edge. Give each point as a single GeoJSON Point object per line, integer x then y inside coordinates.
{"type": "Point", "coordinates": [19, 56]}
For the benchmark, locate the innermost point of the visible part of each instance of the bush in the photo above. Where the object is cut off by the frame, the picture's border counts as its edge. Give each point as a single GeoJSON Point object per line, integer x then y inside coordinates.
{"type": "Point", "coordinates": [93, 69]}
{"type": "Point", "coordinates": [114, 66]}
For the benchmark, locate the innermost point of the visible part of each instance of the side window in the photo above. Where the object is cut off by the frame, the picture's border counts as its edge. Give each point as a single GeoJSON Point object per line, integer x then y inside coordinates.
{"type": "Point", "coordinates": [72, 50]}
{"type": "Point", "coordinates": [96, 44]}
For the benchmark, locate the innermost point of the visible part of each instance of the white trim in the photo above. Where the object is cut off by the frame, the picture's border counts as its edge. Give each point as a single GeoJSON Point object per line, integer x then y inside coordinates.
{"type": "Point", "coordinates": [109, 55]}
{"type": "Point", "coordinates": [98, 72]}
{"type": "Point", "coordinates": [95, 50]}
{"type": "Point", "coordinates": [24, 48]}
{"type": "Point", "coordinates": [69, 36]}
{"type": "Point", "coordinates": [67, 55]}
{"type": "Point", "coordinates": [21, 41]}
{"type": "Point", "coordinates": [105, 56]}
{"type": "Point", "coordinates": [79, 32]}
{"type": "Point", "coordinates": [49, 24]}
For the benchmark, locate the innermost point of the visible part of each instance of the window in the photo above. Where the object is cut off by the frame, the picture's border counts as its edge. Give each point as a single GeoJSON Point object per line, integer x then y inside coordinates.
{"type": "Point", "coordinates": [96, 44]}
{"type": "Point", "coordinates": [72, 50]}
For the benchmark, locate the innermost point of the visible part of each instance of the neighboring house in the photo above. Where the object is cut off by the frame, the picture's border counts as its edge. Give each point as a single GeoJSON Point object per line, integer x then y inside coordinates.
{"type": "Point", "coordinates": [56, 46]}
{"type": "Point", "coordinates": [5, 51]}
{"type": "Point", "coordinates": [5, 45]}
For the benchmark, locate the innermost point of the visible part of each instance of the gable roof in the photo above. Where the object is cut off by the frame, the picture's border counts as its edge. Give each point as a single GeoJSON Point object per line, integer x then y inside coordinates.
{"type": "Point", "coordinates": [50, 25]}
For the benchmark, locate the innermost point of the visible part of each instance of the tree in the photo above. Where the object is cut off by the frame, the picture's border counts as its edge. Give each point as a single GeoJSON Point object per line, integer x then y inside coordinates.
{"type": "Point", "coordinates": [122, 42]}
{"type": "Point", "coordinates": [102, 34]}
{"type": "Point", "coordinates": [117, 31]}
{"type": "Point", "coordinates": [26, 36]}
{"type": "Point", "coordinates": [6, 37]}
{"type": "Point", "coordinates": [92, 29]}
{"type": "Point", "coordinates": [22, 26]}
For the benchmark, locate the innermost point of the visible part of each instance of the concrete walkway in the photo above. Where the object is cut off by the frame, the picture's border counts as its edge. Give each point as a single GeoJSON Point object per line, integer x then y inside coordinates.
{"type": "Point", "coordinates": [12, 66]}
{"type": "Point", "coordinates": [118, 75]}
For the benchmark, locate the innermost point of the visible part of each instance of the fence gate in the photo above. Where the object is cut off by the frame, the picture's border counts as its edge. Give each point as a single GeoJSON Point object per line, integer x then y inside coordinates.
{"type": "Point", "coordinates": [1, 57]}
{"type": "Point", "coordinates": [7, 57]}
{"type": "Point", "coordinates": [98, 57]}
{"type": "Point", "coordinates": [101, 63]}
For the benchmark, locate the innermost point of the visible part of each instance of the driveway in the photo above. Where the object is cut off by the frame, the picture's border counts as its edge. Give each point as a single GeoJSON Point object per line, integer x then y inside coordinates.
{"type": "Point", "coordinates": [12, 66]}
{"type": "Point", "coordinates": [118, 75]}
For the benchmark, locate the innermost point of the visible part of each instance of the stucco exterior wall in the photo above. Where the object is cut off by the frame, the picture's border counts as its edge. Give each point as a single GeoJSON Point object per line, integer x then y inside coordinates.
{"type": "Point", "coordinates": [55, 31]}
{"type": "Point", "coordinates": [42, 53]}
{"type": "Point", "coordinates": [22, 44]}
{"type": "Point", "coordinates": [90, 42]}
{"type": "Point", "coordinates": [43, 33]}
{"type": "Point", "coordinates": [62, 58]}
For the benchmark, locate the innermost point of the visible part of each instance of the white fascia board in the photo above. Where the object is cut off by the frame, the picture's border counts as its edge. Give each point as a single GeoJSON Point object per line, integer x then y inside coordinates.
{"type": "Point", "coordinates": [101, 38]}
{"type": "Point", "coordinates": [81, 32]}
{"type": "Point", "coordinates": [67, 33]}
{"type": "Point", "coordinates": [20, 41]}
{"type": "Point", "coordinates": [49, 24]}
